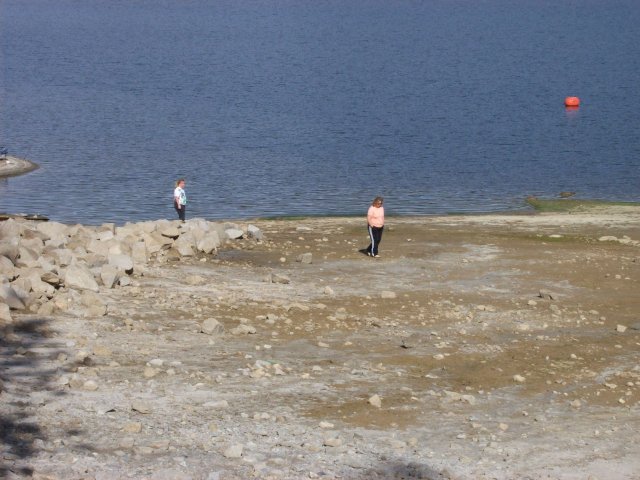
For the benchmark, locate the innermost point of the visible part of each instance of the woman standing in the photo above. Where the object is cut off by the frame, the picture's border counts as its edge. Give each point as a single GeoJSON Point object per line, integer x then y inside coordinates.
{"type": "Point", "coordinates": [180, 199]}
{"type": "Point", "coordinates": [375, 221]}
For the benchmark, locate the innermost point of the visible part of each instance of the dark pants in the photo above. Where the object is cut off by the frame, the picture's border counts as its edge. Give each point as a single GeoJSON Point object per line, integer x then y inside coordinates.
{"type": "Point", "coordinates": [181, 210]}
{"type": "Point", "coordinates": [375, 234]}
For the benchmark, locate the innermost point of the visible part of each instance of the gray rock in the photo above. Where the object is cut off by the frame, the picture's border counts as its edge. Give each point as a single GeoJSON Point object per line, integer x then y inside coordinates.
{"type": "Point", "coordinates": [279, 278]}
{"type": "Point", "coordinates": [139, 253]}
{"type": "Point", "coordinates": [6, 266]}
{"type": "Point", "coordinates": [211, 326]}
{"type": "Point", "coordinates": [154, 242]}
{"type": "Point", "coordinates": [141, 406]}
{"type": "Point", "coordinates": [52, 229]}
{"type": "Point", "coordinates": [305, 258]}
{"type": "Point", "coordinates": [254, 232]}
{"type": "Point", "coordinates": [234, 451]}
{"type": "Point", "coordinates": [184, 246]}
{"type": "Point", "coordinates": [34, 244]}
{"type": "Point", "coordinates": [209, 242]}
{"type": "Point", "coordinates": [34, 276]}
{"type": "Point", "coordinates": [10, 249]}
{"type": "Point", "coordinates": [61, 256]}
{"type": "Point", "coordinates": [546, 294]}
{"type": "Point", "coordinates": [79, 277]}
{"type": "Point", "coordinates": [51, 278]}
{"type": "Point", "coordinates": [233, 233]}
{"type": "Point", "coordinates": [11, 228]}
{"type": "Point", "coordinates": [9, 297]}
{"type": "Point", "coordinates": [243, 329]}
{"type": "Point", "coordinates": [109, 276]}
{"type": "Point", "coordinates": [122, 262]}
{"type": "Point", "coordinates": [170, 232]}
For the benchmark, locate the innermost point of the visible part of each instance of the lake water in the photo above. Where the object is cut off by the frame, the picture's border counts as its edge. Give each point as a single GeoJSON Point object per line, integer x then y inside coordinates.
{"type": "Point", "coordinates": [311, 107]}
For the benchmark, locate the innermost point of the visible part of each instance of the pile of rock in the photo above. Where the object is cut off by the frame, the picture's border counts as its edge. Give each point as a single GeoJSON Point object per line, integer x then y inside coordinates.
{"type": "Point", "coordinates": [49, 266]}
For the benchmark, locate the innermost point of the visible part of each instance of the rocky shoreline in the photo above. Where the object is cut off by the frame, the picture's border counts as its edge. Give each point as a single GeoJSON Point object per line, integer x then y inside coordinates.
{"type": "Point", "coordinates": [12, 166]}
{"type": "Point", "coordinates": [477, 347]}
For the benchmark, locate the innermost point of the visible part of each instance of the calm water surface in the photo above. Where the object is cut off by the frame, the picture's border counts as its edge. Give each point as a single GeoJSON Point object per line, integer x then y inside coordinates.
{"type": "Point", "coordinates": [314, 107]}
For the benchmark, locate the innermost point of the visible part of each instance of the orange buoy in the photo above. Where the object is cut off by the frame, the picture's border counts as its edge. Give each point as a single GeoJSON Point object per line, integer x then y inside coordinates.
{"type": "Point", "coordinates": [572, 102]}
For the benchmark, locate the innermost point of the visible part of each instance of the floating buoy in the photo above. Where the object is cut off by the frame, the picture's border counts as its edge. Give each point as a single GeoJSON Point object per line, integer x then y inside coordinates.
{"type": "Point", "coordinates": [572, 102]}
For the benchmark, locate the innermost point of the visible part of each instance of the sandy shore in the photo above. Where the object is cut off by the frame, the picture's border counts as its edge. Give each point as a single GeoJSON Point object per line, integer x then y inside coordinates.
{"type": "Point", "coordinates": [12, 166]}
{"type": "Point", "coordinates": [476, 347]}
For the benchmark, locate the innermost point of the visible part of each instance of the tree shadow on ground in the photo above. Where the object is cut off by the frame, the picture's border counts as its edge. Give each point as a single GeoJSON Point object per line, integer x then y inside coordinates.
{"type": "Point", "coordinates": [24, 348]}
{"type": "Point", "coordinates": [399, 470]}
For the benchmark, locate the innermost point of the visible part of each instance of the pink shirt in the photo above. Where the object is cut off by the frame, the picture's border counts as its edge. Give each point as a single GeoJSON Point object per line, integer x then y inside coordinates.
{"type": "Point", "coordinates": [375, 216]}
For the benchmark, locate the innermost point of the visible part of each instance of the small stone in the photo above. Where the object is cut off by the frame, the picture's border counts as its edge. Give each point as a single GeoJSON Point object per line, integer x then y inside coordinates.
{"type": "Point", "coordinates": [518, 378]}
{"type": "Point", "coordinates": [608, 238]}
{"type": "Point", "coordinates": [234, 451]}
{"type": "Point", "coordinates": [243, 329]}
{"type": "Point", "coordinates": [133, 427]}
{"type": "Point", "coordinates": [504, 427]}
{"type": "Point", "coordinates": [621, 328]}
{"type": "Point", "coordinates": [140, 407]}
{"type": "Point", "coordinates": [279, 278]}
{"type": "Point", "coordinates": [375, 401]}
{"type": "Point", "coordinates": [234, 233]}
{"type": "Point", "coordinates": [216, 404]}
{"type": "Point", "coordinates": [387, 294]}
{"type": "Point", "coordinates": [332, 442]}
{"type": "Point", "coordinates": [576, 404]}
{"type": "Point", "coordinates": [211, 326]}
{"type": "Point", "coordinates": [90, 386]}
{"type": "Point", "coordinates": [306, 258]}
{"type": "Point", "coordinates": [326, 425]}
{"type": "Point", "coordinates": [546, 294]}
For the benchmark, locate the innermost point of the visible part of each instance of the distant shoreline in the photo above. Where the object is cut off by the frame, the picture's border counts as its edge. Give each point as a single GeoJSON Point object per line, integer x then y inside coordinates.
{"type": "Point", "coordinates": [12, 166]}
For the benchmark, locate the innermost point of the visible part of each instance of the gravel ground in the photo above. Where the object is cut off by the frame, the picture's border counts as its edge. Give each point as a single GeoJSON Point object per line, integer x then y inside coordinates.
{"type": "Point", "coordinates": [476, 347]}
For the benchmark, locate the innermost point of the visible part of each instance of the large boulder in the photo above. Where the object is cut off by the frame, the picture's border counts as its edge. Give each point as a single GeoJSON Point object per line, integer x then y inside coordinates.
{"type": "Point", "coordinates": [11, 229]}
{"type": "Point", "coordinates": [35, 244]}
{"type": "Point", "coordinates": [10, 297]}
{"type": "Point", "coordinates": [79, 277]}
{"type": "Point", "coordinates": [26, 257]}
{"type": "Point", "coordinates": [10, 248]}
{"type": "Point", "coordinates": [123, 263]}
{"type": "Point", "coordinates": [155, 242]}
{"type": "Point", "coordinates": [98, 246]}
{"type": "Point", "coordinates": [139, 253]}
{"type": "Point", "coordinates": [38, 286]}
{"type": "Point", "coordinates": [171, 231]}
{"type": "Point", "coordinates": [233, 233]}
{"type": "Point", "coordinates": [52, 229]}
{"type": "Point", "coordinates": [61, 256]}
{"type": "Point", "coordinates": [109, 276]}
{"type": "Point", "coordinates": [254, 232]}
{"type": "Point", "coordinates": [6, 267]}
{"type": "Point", "coordinates": [185, 244]}
{"type": "Point", "coordinates": [211, 326]}
{"type": "Point", "coordinates": [209, 243]}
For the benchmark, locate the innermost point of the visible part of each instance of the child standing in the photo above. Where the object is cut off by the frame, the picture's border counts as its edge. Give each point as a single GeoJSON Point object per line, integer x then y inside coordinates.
{"type": "Point", "coordinates": [180, 199]}
{"type": "Point", "coordinates": [375, 225]}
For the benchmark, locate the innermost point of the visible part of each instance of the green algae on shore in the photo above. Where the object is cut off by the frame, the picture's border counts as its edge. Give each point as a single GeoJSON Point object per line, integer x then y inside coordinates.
{"type": "Point", "coordinates": [573, 204]}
